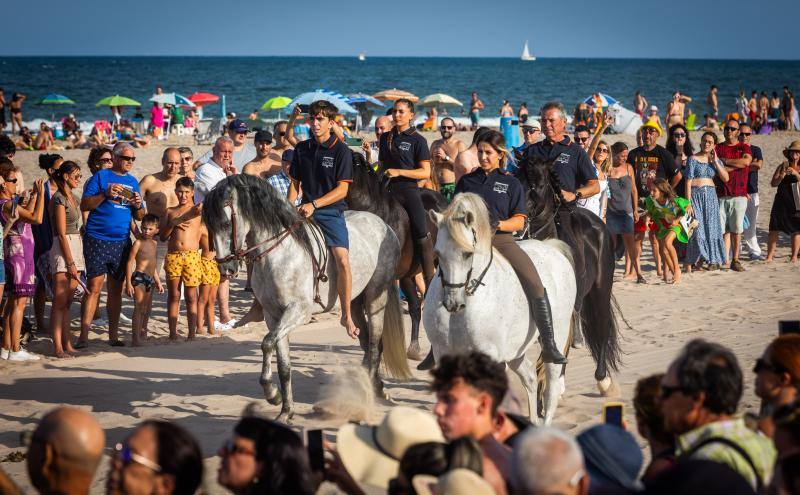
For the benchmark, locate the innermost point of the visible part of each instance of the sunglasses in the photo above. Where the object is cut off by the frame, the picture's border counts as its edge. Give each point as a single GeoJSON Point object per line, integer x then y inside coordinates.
{"type": "Point", "coordinates": [231, 448]}
{"type": "Point", "coordinates": [745, 134]}
{"type": "Point", "coordinates": [731, 129]}
{"type": "Point", "coordinates": [763, 365]}
{"type": "Point", "coordinates": [446, 127]}
{"type": "Point", "coordinates": [581, 140]}
{"type": "Point", "coordinates": [602, 150]}
{"type": "Point", "coordinates": [12, 181]}
{"type": "Point", "coordinates": [531, 131]}
{"type": "Point", "coordinates": [667, 391]}
{"type": "Point", "coordinates": [679, 135]}
{"type": "Point", "coordinates": [281, 134]}
{"type": "Point", "coordinates": [128, 158]}
{"type": "Point", "coordinates": [105, 160]}
{"type": "Point", "coordinates": [127, 456]}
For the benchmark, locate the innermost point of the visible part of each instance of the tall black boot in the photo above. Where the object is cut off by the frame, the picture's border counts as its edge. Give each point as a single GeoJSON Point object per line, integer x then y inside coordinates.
{"type": "Point", "coordinates": [423, 250]}
{"type": "Point", "coordinates": [543, 317]}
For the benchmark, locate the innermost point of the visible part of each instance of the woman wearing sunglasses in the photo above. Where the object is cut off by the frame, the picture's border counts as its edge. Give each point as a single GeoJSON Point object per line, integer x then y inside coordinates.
{"type": "Point", "coordinates": [777, 378]}
{"type": "Point", "coordinates": [157, 458]}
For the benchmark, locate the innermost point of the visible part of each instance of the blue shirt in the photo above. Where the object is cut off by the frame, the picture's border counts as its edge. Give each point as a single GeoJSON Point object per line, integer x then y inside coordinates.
{"type": "Point", "coordinates": [403, 150]}
{"type": "Point", "coordinates": [319, 168]}
{"type": "Point", "coordinates": [571, 164]}
{"type": "Point", "coordinates": [501, 191]}
{"type": "Point", "coordinates": [111, 220]}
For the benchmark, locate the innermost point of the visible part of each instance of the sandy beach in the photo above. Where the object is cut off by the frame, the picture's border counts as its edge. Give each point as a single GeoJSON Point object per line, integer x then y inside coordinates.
{"type": "Point", "coordinates": [205, 384]}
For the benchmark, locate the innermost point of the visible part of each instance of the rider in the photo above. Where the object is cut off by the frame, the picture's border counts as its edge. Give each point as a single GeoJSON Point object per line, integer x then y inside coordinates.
{"type": "Point", "coordinates": [404, 157]}
{"type": "Point", "coordinates": [323, 167]}
{"type": "Point", "coordinates": [505, 200]}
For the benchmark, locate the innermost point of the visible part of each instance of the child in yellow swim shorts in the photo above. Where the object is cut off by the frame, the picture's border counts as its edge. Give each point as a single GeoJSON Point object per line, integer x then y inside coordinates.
{"type": "Point", "coordinates": [208, 285]}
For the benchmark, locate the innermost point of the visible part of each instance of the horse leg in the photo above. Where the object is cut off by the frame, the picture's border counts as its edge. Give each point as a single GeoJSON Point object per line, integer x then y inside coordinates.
{"type": "Point", "coordinates": [375, 306]}
{"type": "Point", "coordinates": [357, 310]}
{"type": "Point", "coordinates": [526, 372]}
{"type": "Point", "coordinates": [415, 312]}
{"type": "Point", "coordinates": [285, 377]}
{"type": "Point", "coordinates": [553, 388]}
{"type": "Point", "coordinates": [291, 318]}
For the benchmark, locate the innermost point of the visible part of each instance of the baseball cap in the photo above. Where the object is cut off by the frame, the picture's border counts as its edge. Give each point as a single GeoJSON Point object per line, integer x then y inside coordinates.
{"type": "Point", "coordinates": [238, 126]}
{"type": "Point", "coordinates": [287, 155]}
{"type": "Point", "coordinates": [263, 137]}
{"type": "Point", "coordinates": [532, 124]}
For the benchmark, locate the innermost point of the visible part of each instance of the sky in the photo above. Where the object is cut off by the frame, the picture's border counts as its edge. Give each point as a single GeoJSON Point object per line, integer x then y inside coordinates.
{"type": "Point", "coordinates": [744, 29]}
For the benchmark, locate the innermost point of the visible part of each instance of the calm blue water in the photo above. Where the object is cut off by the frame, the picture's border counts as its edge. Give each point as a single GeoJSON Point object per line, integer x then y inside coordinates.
{"type": "Point", "coordinates": [248, 81]}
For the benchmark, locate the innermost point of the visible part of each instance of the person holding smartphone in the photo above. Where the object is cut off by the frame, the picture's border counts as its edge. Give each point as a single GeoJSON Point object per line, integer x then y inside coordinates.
{"type": "Point", "coordinates": [706, 244]}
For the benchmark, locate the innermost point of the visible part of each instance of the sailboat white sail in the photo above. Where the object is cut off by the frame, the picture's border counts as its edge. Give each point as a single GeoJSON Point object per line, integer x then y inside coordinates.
{"type": "Point", "coordinates": [362, 56]}
{"type": "Point", "coordinates": [526, 54]}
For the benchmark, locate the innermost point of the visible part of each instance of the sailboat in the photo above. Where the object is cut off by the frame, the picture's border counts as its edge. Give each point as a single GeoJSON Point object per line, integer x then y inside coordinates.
{"type": "Point", "coordinates": [526, 54]}
{"type": "Point", "coordinates": [362, 56]}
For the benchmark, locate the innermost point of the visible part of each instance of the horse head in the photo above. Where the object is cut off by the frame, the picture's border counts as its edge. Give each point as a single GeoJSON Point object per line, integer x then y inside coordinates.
{"type": "Point", "coordinates": [542, 196]}
{"type": "Point", "coordinates": [227, 228]}
{"type": "Point", "coordinates": [465, 234]}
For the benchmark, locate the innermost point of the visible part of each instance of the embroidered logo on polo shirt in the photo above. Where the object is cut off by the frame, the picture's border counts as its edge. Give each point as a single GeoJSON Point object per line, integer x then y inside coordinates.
{"type": "Point", "coordinates": [563, 158]}
{"type": "Point", "coordinates": [404, 146]}
{"type": "Point", "coordinates": [499, 187]}
{"type": "Point", "coordinates": [327, 161]}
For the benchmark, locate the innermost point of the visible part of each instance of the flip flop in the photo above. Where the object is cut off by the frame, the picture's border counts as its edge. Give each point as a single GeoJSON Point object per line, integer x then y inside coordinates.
{"type": "Point", "coordinates": [81, 344]}
{"type": "Point", "coordinates": [641, 280]}
{"type": "Point", "coordinates": [116, 343]}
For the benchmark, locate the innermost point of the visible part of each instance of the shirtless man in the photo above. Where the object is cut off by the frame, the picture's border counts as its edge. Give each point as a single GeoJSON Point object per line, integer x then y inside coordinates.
{"type": "Point", "coordinates": [475, 107]}
{"type": "Point", "coordinates": [444, 152]}
{"type": "Point", "coordinates": [181, 227]}
{"type": "Point", "coordinates": [467, 160]}
{"type": "Point", "coordinates": [158, 192]}
{"type": "Point", "coordinates": [267, 161]}
{"type": "Point", "coordinates": [712, 102]}
{"type": "Point", "coordinates": [676, 109]}
{"type": "Point", "coordinates": [752, 106]}
{"type": "Point", "coordinates": [187, 159]}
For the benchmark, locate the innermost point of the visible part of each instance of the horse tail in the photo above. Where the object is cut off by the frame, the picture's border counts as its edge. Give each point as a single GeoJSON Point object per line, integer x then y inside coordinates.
{"type": "Point", "coordinates": [600, 328]}
{"type": "Point", "coordinates": [394, 336]}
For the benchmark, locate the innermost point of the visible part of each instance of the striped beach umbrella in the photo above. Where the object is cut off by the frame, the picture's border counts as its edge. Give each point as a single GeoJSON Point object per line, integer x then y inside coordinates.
{"type": "Point", "coordinates": [337, 99]}
{"type": "Point", "coordinates": [56, 99]}
{"type": "Point", "coordinates": [606, 100]}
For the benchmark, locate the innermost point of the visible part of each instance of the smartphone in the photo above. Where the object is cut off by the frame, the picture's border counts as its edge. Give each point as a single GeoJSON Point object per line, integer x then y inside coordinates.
{"type": "Point", "coordinates": [126, 193]}
{"type": "Point", "coordinates": [612, 413]}
{"type": "Point", "coordinates": [304, 108]}
{"type": "Point", "coordinates": [316, 455]}
{"type": "Point", "coordinates": [788, 326]}
{"type": "Point", "coordinates": [354, 141]}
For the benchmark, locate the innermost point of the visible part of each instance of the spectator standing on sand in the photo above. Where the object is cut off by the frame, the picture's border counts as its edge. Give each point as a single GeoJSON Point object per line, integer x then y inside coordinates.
{"type": "Point", "coordinates": [444, 152]}
{"type": "Point", "coordinates": [785, 214]}
{"type": "Point", "coordinates": [749, 237]}
{"type": "Point", "coordinates": [639, 104]}
{"type": "Point", "coordinates": [736, 156]}
{"type": "Point", "coordinates": [475, 107]}
{"type": "Point", "coordinates": [243, 152]}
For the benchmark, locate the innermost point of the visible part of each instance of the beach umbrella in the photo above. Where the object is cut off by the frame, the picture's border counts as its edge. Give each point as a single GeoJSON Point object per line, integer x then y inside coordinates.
{"type": "Point", "coordinates": [276, 103]}
{"type": "Point", "coordinates": [117, 101]}
{"type": "Point", "coordinates": [201, 99]}
{"type": "Point", "coordinates": [337, 99]}
{"type": "Point", "coordinates": [395, 94]}
{"type": "Point", "coordinates": [56, 99]}
{"type": "Point", "coordinates": [173, 99]}
{"type": "Point", "coordinates": [440, 100]}
{"type": "Point", "coordinates": [364, 99]}
{"type": "Point", "coordinates": [606, 100]}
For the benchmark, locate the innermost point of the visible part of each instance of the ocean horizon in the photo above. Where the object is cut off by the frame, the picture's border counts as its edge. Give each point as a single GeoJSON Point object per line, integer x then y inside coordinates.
{"type": "Point", "coordinates": [248, 81]}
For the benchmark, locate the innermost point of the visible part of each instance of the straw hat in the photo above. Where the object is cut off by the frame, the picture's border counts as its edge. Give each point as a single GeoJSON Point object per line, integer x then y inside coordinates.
{"type": "Point", "coordinates": [456, 482]}
{"type": "Point", "coordinates": [371, 454]}
{"type": "Point", "coordinates": [793, 146]}
{"type": "Point", "coordinates": [652, 124]}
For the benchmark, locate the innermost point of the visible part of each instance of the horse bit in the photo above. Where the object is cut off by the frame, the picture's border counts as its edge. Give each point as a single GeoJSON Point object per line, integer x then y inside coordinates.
{"type": "Point", "coordinates": [469, 285]}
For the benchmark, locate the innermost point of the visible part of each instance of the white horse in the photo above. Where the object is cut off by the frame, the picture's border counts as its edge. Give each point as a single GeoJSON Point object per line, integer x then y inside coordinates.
{"type": "Point", "coordinates": [476, 301]}
{"type": "Point", "coordinates": [292, 279]}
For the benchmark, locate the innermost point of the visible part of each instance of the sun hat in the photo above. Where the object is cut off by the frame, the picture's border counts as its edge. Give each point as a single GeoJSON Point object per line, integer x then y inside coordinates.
{"type": "Point", "coordinates": [371, 454]}
{"type": "Point", "coordinates": [456, 482]}
{"type": "Point", "coordinates": [612, 457]}
{"type": "Point", "coordinates": [793, 146]}
{"type": "Point", "coordinates": [652, 124]}
{"type": "Point", "coordinates": [653, 108]}
{"type": "Point", "coordinates": [238, 126]}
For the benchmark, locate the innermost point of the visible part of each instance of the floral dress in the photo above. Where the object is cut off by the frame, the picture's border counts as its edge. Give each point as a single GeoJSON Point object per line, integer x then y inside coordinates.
{"type": "Point", "coordinates": [664, 215]}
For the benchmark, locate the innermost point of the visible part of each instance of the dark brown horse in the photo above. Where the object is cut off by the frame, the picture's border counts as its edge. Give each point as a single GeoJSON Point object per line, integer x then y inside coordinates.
{"type": "Point", "coordinates": [550, 216]}
{"type": "Point", "coordinates": [368, 193]}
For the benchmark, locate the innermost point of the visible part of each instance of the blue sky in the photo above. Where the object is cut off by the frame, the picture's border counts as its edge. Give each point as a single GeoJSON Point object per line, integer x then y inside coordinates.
{"type": "Point", "coordinates": [468, 28]}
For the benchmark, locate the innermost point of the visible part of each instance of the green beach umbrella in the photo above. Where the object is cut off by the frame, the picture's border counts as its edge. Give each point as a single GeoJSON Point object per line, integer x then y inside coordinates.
{"type": "Point", "coordinates": [276, 103]}
{"type": "Point", "coordinates": [117, 101]}
{"type": "Point", "coordinates": [56, 99]}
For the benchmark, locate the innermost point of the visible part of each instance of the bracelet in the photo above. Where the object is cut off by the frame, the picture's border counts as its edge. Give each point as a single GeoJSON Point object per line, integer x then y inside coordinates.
{"type": "Point", "coordinates": [314, 204]}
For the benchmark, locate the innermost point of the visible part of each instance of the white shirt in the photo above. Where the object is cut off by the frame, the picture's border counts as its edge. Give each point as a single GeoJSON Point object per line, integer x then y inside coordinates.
{"type": "Point", "coordinates": [240, 158]}
{"type": "Point", "coordinates": [205, 178]}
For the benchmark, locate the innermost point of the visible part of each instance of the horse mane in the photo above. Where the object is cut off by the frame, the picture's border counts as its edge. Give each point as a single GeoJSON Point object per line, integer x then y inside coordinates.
{"type": "Point", "coordinates": [542, 189]}
{"type": "Point", "coordinates": [367, 193]}
{"type": "Point", "coordinates": [454, 218]}
{"type": "Point", "coordinates": [256, 200]}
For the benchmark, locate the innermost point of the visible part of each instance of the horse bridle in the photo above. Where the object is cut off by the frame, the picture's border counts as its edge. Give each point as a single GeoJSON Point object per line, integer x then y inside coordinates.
{"type": "Point", "coordinates": [470, 285]}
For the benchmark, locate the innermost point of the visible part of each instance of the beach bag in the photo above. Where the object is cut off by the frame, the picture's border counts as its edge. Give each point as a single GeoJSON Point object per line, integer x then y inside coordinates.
{"type": "Point", "coordinates": [689, 224]}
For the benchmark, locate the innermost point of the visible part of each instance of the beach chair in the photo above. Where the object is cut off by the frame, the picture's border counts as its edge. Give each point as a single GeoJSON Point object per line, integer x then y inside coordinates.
{"type": "Point", "coordinates": [207, 130]}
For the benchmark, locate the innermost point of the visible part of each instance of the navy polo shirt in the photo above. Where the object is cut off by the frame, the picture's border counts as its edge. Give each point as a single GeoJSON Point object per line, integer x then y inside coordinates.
{"type": "Point", "coordinates": [752, 178]}
{"type": "Point", "coordinates": [501, 191]}
{"type": "Point", "coordinates": [403, 150]}
{"type": "Point", "coordinates": [570, 162]}
{"type": "Point", "coordinates": [320, 167]}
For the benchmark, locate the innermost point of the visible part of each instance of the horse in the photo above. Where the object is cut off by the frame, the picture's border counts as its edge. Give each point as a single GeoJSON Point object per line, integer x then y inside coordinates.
{"type": "Point", "coordinates": [292, 280]}
{"type": "Point", "coordinates": [594, 266]}
{"type": "Point", "coordinates": [368, 192]}
{"type": "Point", "coordinates": [498, 321]}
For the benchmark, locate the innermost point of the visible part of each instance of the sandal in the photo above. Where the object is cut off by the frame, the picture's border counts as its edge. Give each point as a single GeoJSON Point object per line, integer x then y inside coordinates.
{"type": "Point", "coordinates": [81, 344]}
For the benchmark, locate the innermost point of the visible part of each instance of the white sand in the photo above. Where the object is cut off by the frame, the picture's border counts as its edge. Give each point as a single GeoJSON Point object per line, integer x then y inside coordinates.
{"type": "Point", "coordinates": [204, 385]}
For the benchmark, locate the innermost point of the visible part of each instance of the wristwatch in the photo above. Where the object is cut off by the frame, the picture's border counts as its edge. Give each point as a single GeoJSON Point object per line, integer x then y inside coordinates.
{"type": "Point", "coordinates": [578, 195]}
{"type": "Point", "coordinates": [314, 204]}
{"type": "Point", "coordinates": [447, 158]}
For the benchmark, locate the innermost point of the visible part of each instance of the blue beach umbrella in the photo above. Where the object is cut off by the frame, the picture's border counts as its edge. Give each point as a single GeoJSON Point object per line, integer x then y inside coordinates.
{"type": "Point", "coordinates": [173, 99]}
{"type": "Point", "coordinates": [364, 99]}
{"type": "Point", "coordinates": [56, 99]}
{"type": "Point", "coordinates": [339, 100]}
{"type": "Point", "coordinates": [606, 100]}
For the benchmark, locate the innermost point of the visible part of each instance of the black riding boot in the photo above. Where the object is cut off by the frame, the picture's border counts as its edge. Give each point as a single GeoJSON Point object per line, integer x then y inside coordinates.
{"type": "Point", "coordinates": [543, 317]}
{"type": "Point", "coordinates": [423, 251]}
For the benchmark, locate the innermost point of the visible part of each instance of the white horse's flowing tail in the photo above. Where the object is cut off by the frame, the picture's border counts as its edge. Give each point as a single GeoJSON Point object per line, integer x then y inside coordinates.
{"type": "Point", "coordinates": [394, 337]}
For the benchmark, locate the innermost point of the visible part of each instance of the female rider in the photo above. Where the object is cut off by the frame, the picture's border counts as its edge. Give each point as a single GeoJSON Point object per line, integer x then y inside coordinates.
{"type": "Point", "coordinates": [506, 203]}
{"type": "Point", "coordinates": [405, 158]}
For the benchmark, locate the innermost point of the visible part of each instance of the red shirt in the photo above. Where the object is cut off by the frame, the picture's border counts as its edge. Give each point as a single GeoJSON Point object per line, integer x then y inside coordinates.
{"type": "Point", "coordinates": [737, 184]}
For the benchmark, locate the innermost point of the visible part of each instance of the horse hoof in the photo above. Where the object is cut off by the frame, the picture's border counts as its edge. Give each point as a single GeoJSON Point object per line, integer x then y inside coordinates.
{"type": "Point", "coordinates": [275, 399]}
{"type": "Point", "coordinates": [285, 417]}
{"type": "Point", "coordinates": [414, 353]}
{"type": "Point", "coordinates": [608, 387]}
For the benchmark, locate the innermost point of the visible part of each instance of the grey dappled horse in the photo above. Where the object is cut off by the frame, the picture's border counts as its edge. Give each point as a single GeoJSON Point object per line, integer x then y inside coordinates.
{"type": "Point", "coordinates": [292, 279]}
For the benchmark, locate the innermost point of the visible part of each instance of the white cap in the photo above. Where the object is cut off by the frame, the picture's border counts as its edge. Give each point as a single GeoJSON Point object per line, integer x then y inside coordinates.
{"type": "Point", "coordinates": [653, 108]}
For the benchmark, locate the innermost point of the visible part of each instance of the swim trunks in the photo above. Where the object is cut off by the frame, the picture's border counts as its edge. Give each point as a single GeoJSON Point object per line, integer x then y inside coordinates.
{"type": "Point", "coordinates": [105, 257]}
{"type": "Point", "coordinates": [448, 191]}
{"type": "Point", "coordinates": [141, 278]}
{"type": "Point", "coordinates": [185, 265]}
{"type": "Point", "coordinates": [210, 272]}
{"type": "Point", "coordinates": [331, 223]}
{"type": "Point", "coordinates": [475, 116]}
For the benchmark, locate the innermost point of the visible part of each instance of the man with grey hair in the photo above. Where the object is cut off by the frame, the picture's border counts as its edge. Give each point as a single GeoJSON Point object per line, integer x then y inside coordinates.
{"type": "Point", "coordinates": [206, 177]}
{"type": "Point", "coordinates": [113, 198]}
{"type": "Point", "coordinates": [547, 460]}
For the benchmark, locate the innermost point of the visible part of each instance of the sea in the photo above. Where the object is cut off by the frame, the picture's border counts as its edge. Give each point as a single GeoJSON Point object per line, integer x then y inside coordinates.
{"type": "Point", "coordinates": [247, 82]}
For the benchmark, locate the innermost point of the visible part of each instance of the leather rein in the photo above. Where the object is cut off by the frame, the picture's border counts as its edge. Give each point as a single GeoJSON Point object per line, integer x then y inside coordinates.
{"type": "Point", "coordinates": [469, 284]}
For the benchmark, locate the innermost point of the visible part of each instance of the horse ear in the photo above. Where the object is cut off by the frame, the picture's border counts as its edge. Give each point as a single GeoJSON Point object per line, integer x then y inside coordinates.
{"type": "Point", "coordinates": [435, 217]}
{"type": "Point", "coordinates": [469, 218]}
